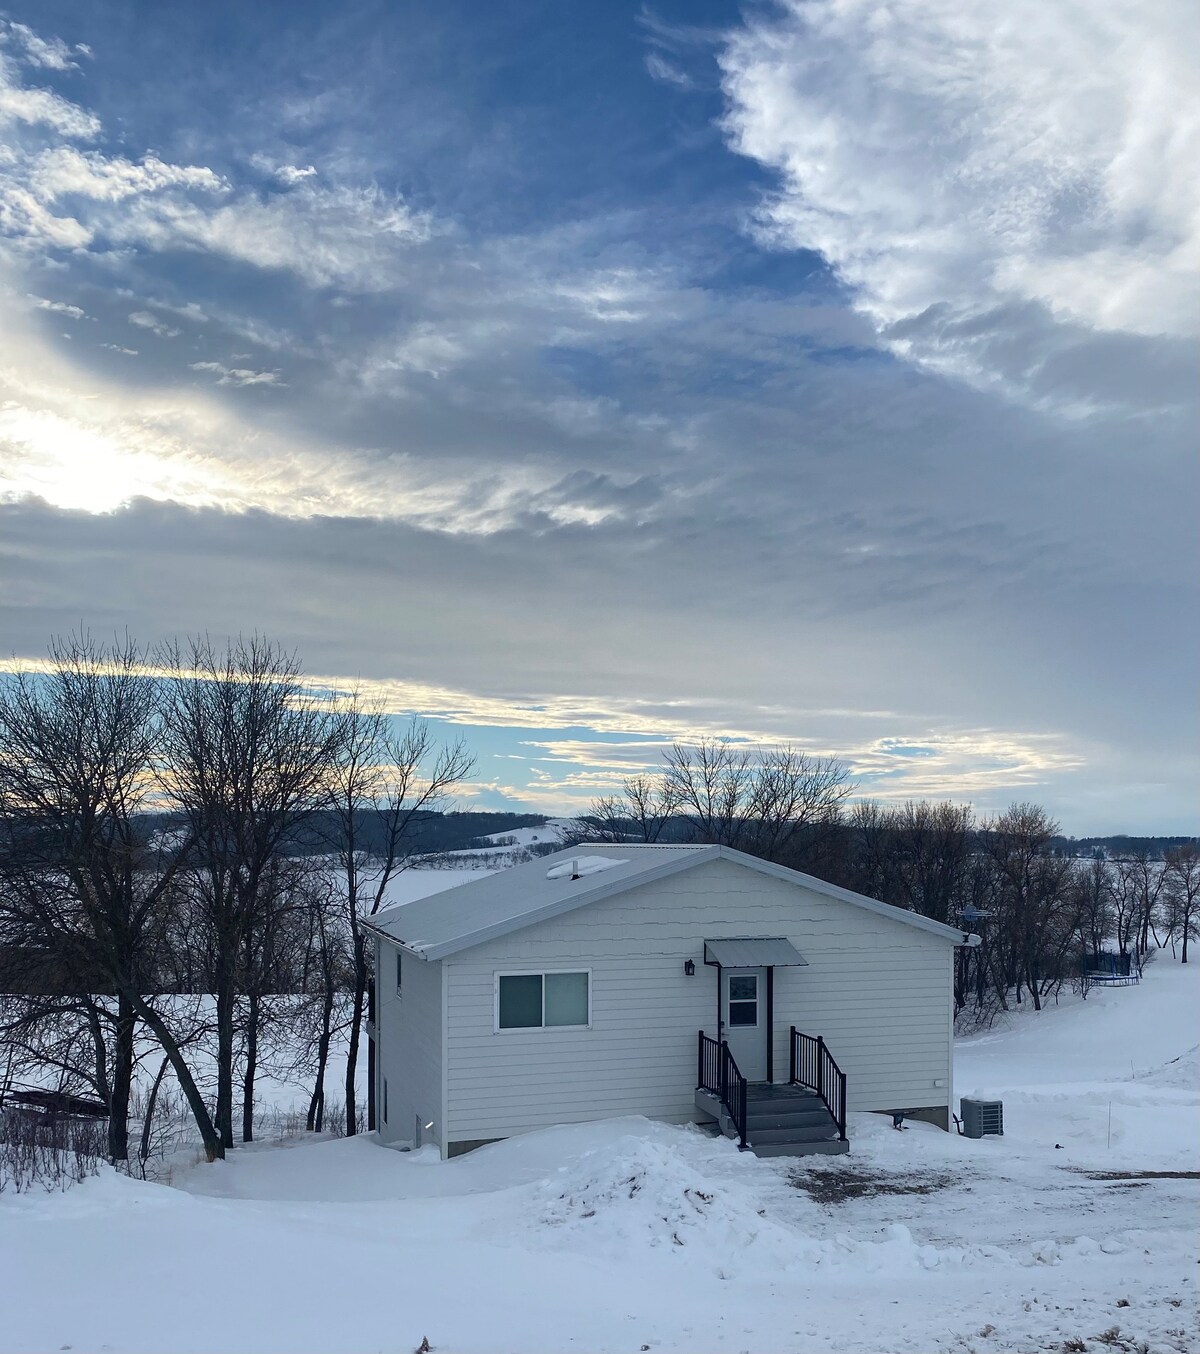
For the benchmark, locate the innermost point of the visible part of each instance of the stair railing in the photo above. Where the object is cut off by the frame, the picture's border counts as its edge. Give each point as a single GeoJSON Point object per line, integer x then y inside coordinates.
{"type": "Point", "coordinates": [717, 1073]}
{"type": "Point", "coordinates": [813, 1065]}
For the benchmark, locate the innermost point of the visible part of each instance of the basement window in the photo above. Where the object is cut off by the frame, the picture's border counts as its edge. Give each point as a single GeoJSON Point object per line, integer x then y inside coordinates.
{"type": "Point", "coordinates": [531, 1001]}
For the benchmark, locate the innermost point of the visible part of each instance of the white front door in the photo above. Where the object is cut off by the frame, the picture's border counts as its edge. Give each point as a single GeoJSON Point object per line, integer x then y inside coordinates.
{"type": "Point", "coordinates": [744, 1017]}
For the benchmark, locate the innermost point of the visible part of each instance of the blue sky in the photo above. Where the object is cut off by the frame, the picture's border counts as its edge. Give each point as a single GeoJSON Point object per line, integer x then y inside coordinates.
{"type": "Point", "coordinates": [586, 377]}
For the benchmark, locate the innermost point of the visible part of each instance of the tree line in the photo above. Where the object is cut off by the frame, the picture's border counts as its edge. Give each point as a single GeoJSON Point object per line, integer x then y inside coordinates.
{"type": "Point", "coordinates": [147, 804]}
{"type": "Point", "coordinates": [1043, 916]}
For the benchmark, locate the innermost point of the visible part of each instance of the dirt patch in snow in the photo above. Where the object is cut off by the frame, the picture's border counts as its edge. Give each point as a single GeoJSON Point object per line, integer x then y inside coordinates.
{"type": "Point", "coordinates": [858, 1182]}
{"type": "Point", "coordinates": [1138, 1175]}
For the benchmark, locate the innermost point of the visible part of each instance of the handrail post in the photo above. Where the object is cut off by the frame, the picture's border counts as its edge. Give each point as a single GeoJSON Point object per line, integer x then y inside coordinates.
{"type": "Point", "coordinates": [700, 1060]}
{"type": "Point", "coordinates": [842, 1117]}
{"type": "Point", "coordinates": [792, 1058]}
{"type": "Point", "coordinates": [821, 1066]}
{"type": "Point", "coordinates": [742, 1115]}
{"type": "Point", "coordinates": [724, 1073]}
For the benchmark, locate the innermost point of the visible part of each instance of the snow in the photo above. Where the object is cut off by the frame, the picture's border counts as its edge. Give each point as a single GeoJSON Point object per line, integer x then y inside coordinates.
{"type": "Point", "coordinates": [628, 1235]}
{"type": "Point", "coordinates": [579, 866]}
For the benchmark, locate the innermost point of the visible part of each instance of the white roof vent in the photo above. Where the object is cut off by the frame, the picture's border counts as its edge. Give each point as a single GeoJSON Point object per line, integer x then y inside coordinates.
{"type": "Point", "coordinates": [578, 866]}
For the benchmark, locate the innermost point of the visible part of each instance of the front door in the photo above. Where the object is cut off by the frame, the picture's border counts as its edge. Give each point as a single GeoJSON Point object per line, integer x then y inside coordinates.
{"type": "Point", "coordinates": [744, 1017]}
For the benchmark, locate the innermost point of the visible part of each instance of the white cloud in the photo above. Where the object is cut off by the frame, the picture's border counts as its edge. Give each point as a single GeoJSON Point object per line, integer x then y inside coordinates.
{"type": "Point", "coordinates": [949, 155]}
{"type": "Point", "coordinates": [65, 170]}
{"type": "Point", "coordinates": [659, 68]}
{"type": "Point", "coordinates": [238, 376]}
{"type": "Point", "coordinates": [288, 175]}
{"type": "Point", "coordinates": [41, 107]}
{"type": "Point", "coordinates": [59, 308]}
{"type": "Point", "coordinates": [51, 53]}
{"type": "Point", "coordinates": [142, 319]}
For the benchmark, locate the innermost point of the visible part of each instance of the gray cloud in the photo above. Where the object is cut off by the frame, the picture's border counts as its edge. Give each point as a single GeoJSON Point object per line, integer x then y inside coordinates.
{"type": "Point", "coordinates": [572, 476]}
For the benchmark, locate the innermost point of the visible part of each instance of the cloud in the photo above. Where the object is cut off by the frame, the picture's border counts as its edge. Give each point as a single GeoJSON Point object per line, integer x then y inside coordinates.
{"type": "Point", "coordinates": [65, 171]}
{"type": "Point", "coordinates": [142, 319]}
{"type": "Point", "coordinates": [288, 175]}
{"type": "Point", "coordinates": [34, 107]}
{"type": "Point", "coordinates": [953, 166]}
{"type": "Point", "coordinates": [50, 53]}
{"type": "Point", "coordinates": [59, 308]}
{"type": "Point", "coordinates": [238, 376]}
{"type": "Point", "coordinates": [659, 68]}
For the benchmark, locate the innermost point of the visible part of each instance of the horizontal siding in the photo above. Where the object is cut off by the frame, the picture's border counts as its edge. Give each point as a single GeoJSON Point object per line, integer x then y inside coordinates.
{"type": "Point", "coordinates": [409, 1047]}
{"type": "Point", "coordinates": [877, 989]}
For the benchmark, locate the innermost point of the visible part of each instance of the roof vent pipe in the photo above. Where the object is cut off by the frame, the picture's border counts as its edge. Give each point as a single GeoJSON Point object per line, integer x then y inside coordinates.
{"type": "Point", "coordinates": [575, 868]}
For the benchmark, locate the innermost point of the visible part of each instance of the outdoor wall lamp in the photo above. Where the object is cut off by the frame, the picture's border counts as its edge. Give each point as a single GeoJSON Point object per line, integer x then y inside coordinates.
{"type": "Point", "coordinates": [689, 968]}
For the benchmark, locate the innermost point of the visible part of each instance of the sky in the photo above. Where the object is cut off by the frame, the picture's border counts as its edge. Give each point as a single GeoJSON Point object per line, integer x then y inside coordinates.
{"type": "Point", "coordinates": [588, 377]}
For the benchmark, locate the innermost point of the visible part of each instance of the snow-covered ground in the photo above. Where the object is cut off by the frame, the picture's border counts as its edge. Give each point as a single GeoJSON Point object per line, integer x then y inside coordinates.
{"type": "Point", "coordinates": [633, 1236]}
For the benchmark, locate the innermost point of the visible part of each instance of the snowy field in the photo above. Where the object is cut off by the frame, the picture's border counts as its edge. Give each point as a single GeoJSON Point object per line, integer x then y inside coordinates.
{"type": "Point", "coordinates": [632, 1236]}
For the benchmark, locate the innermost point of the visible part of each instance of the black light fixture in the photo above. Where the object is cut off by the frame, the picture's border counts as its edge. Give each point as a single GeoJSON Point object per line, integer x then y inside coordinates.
{"type": "Point", "coordinates": [689, 968]}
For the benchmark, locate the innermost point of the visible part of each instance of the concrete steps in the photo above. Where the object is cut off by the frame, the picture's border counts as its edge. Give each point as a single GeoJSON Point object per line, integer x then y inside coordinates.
{"type": "Point", "coordinates": [781, 1120]}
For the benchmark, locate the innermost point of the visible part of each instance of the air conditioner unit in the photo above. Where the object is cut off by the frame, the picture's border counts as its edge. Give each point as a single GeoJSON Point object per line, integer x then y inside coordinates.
{"type": "Point", "coordinates": [982, 1117]}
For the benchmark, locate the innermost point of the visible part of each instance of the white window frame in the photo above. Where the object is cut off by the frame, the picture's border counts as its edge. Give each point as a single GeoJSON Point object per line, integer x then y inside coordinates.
{"type": "Point", "coordinates": [536, 973]}
{"type": "Point", "coordinates": [399, 974]}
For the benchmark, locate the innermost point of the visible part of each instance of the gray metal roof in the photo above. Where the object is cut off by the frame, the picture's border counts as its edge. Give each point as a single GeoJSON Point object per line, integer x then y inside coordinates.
{"type": "Point", "coordinates": [511, 899]}
{"type": "Point", "coordinates": [753, 952]}
{"type": "Point", "coordinates": [498, 904]}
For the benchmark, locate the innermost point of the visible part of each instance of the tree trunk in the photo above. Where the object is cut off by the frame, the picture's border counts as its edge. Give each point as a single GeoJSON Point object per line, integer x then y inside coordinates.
{"type": "Point", "coordinates": [251, 1069]}
{"type": "Point", "coordinates": [214, 1146]}
{"type": "Point", "coordinates": [356, 1020]}
{"type": "Point", "coordinates": [148, 1122]}
{"type": "Point", "coordinates": [122, 1081]}
{"type": "Point", "coordinates": [225, 1004]}
{"type": "Point", "coordinates": [316, 1106]}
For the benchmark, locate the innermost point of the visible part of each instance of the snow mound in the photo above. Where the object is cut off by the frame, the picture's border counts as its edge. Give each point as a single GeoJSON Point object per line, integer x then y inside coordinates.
{"type": "Point", "coordinates": [583, 865]}
{"type": "Point", "coordinates": [638, 1191]}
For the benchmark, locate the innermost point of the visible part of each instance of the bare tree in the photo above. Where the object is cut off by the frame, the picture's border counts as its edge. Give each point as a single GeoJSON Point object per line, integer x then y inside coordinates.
{"type": "Point", "coordinates": [1094, 899]}
{"type": "Point", "coordinates": [1039, 912]}
{"type": "Point", "coordinates": [382, 781]}
{"type": "Point", "coordinates": [1183, 893]}
{"type": "Point", "coordinates": [917, 856]}
{"type": "Point", "coordinates": [246, 757]}
{"type": "Point", "coordinates": [82, 878]}
{"type": "Point", "coordinates": [639, 814]}
{"type": "Point", "coordinates": [763, 800]}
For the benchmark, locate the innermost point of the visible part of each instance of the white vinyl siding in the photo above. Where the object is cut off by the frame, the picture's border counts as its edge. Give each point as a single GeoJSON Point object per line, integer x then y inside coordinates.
{"type": "Point", "coordinates": [409, 1045]}
{"type": "Point", "coordinates": [878, 990]}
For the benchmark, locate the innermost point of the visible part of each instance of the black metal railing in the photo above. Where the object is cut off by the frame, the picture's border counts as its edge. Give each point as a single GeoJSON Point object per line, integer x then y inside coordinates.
{"type": "Point", "coordinates": [717, 1072]}
{"type": "Point", "coordinates": [812, 1065]}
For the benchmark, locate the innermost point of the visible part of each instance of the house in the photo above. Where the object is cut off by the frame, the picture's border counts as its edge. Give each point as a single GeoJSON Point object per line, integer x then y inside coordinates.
{"type": "Point", "coordinates": [684, 983]}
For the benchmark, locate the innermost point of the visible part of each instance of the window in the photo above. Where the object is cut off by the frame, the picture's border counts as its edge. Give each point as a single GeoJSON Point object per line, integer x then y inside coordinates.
{"type": "Point", "coordinates": [530, 1001]}
{"type": "Point", "coordinates": [743, 999]}
{"type": "Point", "coordinates": [399, 972]}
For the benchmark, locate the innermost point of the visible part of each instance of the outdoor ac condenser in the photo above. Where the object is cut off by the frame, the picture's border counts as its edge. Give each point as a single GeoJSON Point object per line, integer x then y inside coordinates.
{"type": "Point", "coordinates": [980, 1117]}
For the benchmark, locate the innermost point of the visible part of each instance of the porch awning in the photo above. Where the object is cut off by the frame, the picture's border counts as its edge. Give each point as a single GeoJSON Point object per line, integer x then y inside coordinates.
{"type": "Point", "coordinates": [752, 952]}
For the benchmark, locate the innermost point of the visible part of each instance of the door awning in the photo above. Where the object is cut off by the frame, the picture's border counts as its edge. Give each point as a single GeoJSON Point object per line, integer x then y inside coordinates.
{"type": "Point", "coordinates": [752, 952]}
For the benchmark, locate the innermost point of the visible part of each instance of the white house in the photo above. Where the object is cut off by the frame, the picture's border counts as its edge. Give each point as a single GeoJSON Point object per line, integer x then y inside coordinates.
{"type": "Point", "coordinates": [679, 982]}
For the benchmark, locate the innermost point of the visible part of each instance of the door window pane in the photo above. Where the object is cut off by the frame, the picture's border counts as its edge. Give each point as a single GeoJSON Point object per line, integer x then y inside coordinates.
{"type": "Point", "coordinates": [743, 987]}
{"type": "Point", "coordinates": [743, 1013]}
{"type": "Point", "coordinates": [520, 1001]}
{"type": "Point", "coordinates": [566, 999]}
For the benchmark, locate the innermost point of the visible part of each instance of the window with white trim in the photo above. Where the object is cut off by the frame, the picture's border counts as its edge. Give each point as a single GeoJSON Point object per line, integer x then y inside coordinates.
{"type": "Point", "coordinates": [531, 1001]}
{"type": "Point", "coordinates": [399, 972]}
